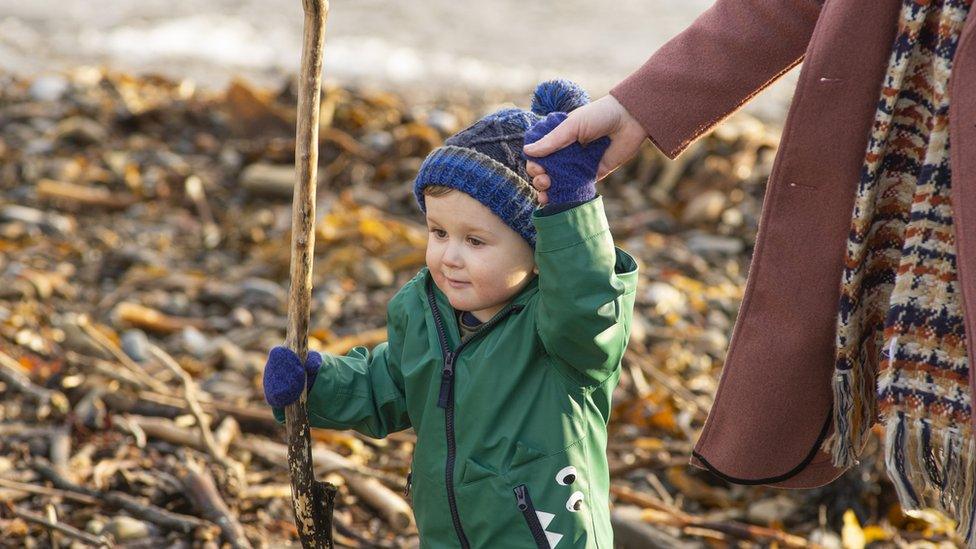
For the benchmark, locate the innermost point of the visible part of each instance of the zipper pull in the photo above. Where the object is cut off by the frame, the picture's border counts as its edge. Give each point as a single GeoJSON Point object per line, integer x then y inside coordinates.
{"type": "Point", "coordinates": [406, 490]}
{"type": "Point", "coordinates": [520, 497]}
{"type": "Point", "coordinates": [447, 378]}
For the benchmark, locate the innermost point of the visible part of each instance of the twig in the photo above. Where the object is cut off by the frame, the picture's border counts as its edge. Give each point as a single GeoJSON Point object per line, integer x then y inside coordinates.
{"type": "Point", "coordinates": [640, 357]}
{"type": "Point", "coordinates": [74, 533]}
{"type": "Point", "coordinates": [172, 521]}
{"type": "Point", "coordinates": [32, 489]}
{"type": "Point", "coordinates": [189, 393]}
{"type": "Point", "coordinates": [391, 505]}
{"type": "Point", "coordinates": [60, 448]}
{"type": "Point", "coordinates": [194, 189]}
{"type": "Point", "coordinates": [662, 512]}
{"type": "Point", "coordinates": [202, 492]}
{"type": "Point", "coordinates": [110, 346]}
{"type": "Point", "coordinates": [360, 480]}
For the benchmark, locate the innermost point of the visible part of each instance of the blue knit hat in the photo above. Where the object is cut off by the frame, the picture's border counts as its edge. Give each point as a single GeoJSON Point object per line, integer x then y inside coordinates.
{"type": "Point", "coordinates": [485, 160]}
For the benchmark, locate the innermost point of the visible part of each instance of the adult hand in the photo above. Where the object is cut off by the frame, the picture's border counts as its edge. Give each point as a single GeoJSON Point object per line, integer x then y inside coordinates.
{"type": "Point", "coordinates": [603, 117]}
{"type": "Point", "coordinates": [285, 376]}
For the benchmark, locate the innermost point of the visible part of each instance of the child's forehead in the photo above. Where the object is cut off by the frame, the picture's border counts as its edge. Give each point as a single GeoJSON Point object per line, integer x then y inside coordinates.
{"type": "Point", "coordinates": [461, 210]}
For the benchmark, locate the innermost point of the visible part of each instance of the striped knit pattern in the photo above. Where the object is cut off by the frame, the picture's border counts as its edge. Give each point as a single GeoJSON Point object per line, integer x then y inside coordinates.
{"type": "Point", "coordinates": [901, 345]}
{"type": "Point", "coordinates": [503, 191]}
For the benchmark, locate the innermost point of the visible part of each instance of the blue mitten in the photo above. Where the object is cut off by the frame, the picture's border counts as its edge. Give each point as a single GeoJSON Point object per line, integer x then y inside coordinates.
{"type": "Point", "coordinates": [285, 376]}
{"type": "Point", "coordinates": [572, 169]}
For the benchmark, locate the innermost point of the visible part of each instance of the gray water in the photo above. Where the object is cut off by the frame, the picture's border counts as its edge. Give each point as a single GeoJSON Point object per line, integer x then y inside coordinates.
{"type": "Point", "coordinates": [503, 45]}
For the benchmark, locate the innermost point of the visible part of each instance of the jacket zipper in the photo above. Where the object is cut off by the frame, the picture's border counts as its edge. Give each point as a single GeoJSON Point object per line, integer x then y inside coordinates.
{"type": "Point", "coordinates": [445, 399]}
{"type": "Point", "coordinates": [524, 503]}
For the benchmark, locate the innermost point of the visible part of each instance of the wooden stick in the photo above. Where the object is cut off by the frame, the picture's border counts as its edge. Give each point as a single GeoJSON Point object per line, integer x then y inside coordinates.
{"type": "Point", "coordinates": [361, 480]}
{"type": "Point", "coordinates": [194, 189]}
{"type": "Point", "coordinates": [202, 492]}
{"type": "Point", "coordinates": [60, 448]}
{"type": "Point", "coordinates": [189, 393]}
{"type": "Point", "coordinates": [184, 524]}
{"type": "Point", "coordinates": [83, 195]}
{"type": "Point", "coordinates": [32, 489]}
{"type": "Point", "coordinates": [390, 505]}
{"type": "Point", "coordinates": [676, 517]}
{"type": "Point", "coordinates": [630, 531]}
{"type": "Point", "coordinates": [74, 533]}
{"type": "Point", "coordinates": [104, 342]}
{"type": "Point", "coordinates": [313, 522]}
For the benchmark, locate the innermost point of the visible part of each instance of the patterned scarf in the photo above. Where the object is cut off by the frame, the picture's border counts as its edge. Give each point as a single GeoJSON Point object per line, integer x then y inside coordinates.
{"type": "Point", "coordinates": [901, 342]}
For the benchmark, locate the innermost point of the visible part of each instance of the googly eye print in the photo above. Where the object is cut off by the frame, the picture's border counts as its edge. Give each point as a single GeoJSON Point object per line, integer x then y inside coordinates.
{"type": "Point", "coordinates": [575, 502]}
{"type": "Point", "coordinates": [566, 476]}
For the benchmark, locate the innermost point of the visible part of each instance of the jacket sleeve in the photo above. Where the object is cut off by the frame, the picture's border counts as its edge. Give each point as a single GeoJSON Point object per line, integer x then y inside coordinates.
{"type": "Point", "coordinates": [361, 390]}
{"type": "Point", "coordinates": [733, 51]}
{"type": "Point", "coordinates": [586, 291]}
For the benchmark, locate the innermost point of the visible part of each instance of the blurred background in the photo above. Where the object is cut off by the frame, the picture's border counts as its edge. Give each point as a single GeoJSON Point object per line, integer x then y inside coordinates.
{"type": "Point", "coordinates": [429, 44]}
{"type": "Point", "coordinates": [146, 175]}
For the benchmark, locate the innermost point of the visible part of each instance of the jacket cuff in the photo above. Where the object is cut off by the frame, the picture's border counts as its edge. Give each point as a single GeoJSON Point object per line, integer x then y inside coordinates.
{"type": "Point", "coordinates": [570, 227]}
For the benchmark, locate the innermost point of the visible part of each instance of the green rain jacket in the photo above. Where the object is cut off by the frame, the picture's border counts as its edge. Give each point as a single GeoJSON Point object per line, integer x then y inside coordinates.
{"type": "Point", "coordinates": [512, 424]}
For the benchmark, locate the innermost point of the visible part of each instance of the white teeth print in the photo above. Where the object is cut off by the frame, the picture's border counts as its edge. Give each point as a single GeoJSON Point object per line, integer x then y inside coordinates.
{"type": "Point", "coordinates": [575, 502]}
{"type": "Point", "coordinates": [566, 475]}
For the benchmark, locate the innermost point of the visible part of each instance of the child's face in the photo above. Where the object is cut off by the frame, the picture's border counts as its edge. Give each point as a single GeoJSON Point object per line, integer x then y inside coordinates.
{"type": "Point", "coordinates": [478, 261]}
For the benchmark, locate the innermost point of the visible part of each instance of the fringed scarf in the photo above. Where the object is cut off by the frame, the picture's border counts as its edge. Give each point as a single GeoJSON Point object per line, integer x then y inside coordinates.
{"type": "Point", "coordinates": [901, 341]}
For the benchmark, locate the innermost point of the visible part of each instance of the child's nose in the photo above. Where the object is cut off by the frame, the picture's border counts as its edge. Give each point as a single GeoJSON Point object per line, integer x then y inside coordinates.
{"type": "Point", "coordinates": [452, 256]}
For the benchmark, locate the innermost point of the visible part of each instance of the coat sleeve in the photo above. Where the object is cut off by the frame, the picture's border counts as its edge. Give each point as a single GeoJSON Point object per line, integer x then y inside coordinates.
{"type": "Point", "coordinates": [362, 390]}
{"type": "Point", "coordinates": [586, 292]}
{"type": "Point", "coordinates": [733, 51]}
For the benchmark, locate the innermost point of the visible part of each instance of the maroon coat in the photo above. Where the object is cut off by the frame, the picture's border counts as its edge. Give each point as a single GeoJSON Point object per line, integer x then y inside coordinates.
{"type": "Point", "coordinates": [773, 405]}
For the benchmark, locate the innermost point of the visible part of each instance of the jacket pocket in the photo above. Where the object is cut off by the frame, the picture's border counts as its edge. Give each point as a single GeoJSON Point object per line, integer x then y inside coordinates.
{"type": "Point", "coordinates": [475, 472]}
{"type": "Point", "coordinates": [524, 503]}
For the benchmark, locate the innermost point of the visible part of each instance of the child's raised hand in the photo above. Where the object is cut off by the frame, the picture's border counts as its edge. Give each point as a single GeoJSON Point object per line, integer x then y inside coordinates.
{"type": "Point", "coordinates": [285, 376]}
{"type": "Point", "coordinates": [571, 170]}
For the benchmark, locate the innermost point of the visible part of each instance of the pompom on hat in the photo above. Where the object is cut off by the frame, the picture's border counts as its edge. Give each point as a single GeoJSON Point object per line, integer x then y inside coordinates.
{"type": "Point", "coordinates": [485, 160]}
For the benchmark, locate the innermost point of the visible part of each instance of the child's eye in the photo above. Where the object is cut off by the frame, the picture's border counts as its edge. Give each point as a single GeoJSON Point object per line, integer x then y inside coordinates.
{"type": "Point", "coordinates": [475, 242]}
{"type": "Point", "coordinates": [439, 233]}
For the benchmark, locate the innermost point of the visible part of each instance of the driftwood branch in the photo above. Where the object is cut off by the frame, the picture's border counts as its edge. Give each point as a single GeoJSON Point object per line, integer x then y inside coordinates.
{"type": "Point", "coordinates": [657, 511]}
{"type": "Point", "coordinates": [51, 525]}
{"type": "Point", "coordinates": [202, 492]}
{"type": "Point", "coordinates": [172, 521]}
{"type": "Point", "coordinates": [110, 346]}
{"type": "Point", "coordinates": [313, 520]}
{"type": "Point", "coordinates": [190, 394]}
{"type": "Point", "coordinates": [360, 480]}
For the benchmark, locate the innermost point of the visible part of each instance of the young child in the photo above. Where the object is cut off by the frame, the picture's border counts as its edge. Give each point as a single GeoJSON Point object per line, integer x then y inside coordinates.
{"type": "Point", "coordinates": [503, 352]}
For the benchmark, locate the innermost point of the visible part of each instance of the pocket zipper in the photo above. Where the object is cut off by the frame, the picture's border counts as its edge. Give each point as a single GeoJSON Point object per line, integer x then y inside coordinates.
{"type": "Point", "coordinates": [524, 503]}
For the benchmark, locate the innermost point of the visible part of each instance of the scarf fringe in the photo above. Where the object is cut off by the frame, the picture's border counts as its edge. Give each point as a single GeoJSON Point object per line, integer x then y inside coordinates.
{"type": "Point", "coordinates": [854, 413]}
{"type": "Point", "coordinates": [933, 467]}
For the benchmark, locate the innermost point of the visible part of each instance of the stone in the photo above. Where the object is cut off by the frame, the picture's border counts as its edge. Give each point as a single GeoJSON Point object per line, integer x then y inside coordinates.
{"type": "Point", "coordinates": [271, 180]}
{"type": "Point", "coordinates": [704, 208]}
{"type": "Point", "coordinates": [196, 343]}
{"type": "Point", "coordinates": [710, 244]}
{"type": "Point", "coordinates": [124, 528]}
{"type": "Point", "coordinates": [376, 274]}
{"type": "Point", "coordinates": [48, 88]}
{"type": "Point", "coordinates": [136, 345]}
{"type": "Point", "coordinates": [666, 298]}
{"type": "Point", "coordinates": [80, 130]}
{"type": "Point", "coordinates": [262, 292]}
